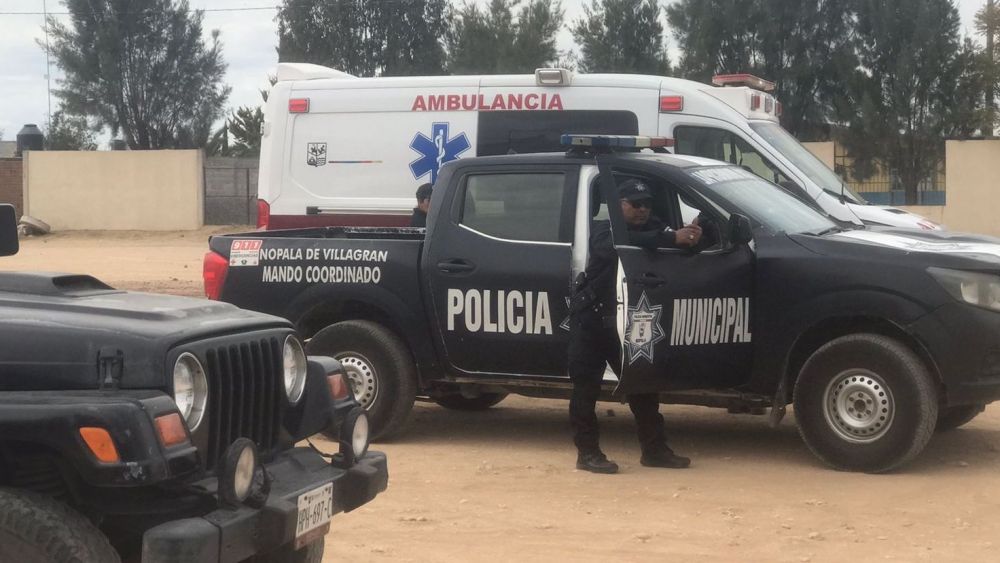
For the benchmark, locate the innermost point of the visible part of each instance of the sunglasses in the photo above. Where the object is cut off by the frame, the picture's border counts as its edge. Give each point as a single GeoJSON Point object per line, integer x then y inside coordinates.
{"type": "Point", "coordinates": [642, 204]}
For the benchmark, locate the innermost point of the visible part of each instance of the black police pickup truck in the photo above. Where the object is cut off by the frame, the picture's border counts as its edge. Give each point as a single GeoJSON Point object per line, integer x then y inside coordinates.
{"type": "Point", "coordinates": [876, 337]}
{"type": "Point", "coordinates": [162, 429]}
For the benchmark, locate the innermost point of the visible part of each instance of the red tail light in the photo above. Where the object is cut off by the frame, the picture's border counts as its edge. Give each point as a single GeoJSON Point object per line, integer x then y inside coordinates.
{"type": "Point", "coordinates": [754, 102]}
{"type": "Point", "coordinates": [778, 109]}
{"type": "Point", "coordinates": [263, 214]}
{"type": "Point", "coordinates": [671, 103]}
{"type": "Point", "coordinates": [214, 269]}
{"type": "Point", "coordinates": [298, 105]}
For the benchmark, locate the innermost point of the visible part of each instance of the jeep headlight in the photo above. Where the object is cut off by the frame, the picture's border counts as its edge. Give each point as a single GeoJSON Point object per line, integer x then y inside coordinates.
{"type": "Point", "coordinates": [190, 389]}
{"type": "Point", "coordinates": [974, 288]}
{"type": "Point", "coordinates": [295, 369]}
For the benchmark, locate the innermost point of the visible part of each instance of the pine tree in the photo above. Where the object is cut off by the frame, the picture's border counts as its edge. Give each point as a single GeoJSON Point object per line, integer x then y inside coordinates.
{"type": "Point", "coordinates": [365, 37]}
{"type": "Point", "coordinates": [498, 41]}
{"type": "Point", "coordinates": [69, 133]}
{"type": "Point", "coordinates": [142, 69]}
{"type": "Point", "coordinates": [623, 36]}
{"type": "Point", "coordinates": [988, 25]}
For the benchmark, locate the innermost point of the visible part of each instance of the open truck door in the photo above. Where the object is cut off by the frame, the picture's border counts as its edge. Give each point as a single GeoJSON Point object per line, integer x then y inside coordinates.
{"type": "Point", "coordinates": [684, 315]}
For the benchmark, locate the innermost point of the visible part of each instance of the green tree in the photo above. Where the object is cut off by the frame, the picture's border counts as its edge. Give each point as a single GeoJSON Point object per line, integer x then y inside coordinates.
{"type": "Point", "coordinates": [907, 93]}
{"type": "Point", "coordinates": [803, 47]}
{"type": "Point", "coordinates": [499, 41]}
{"type": "Point", "coordinates": [240, 135]}
{"type": "Point", "coordinates": [365, 37]}
{"type": "Point", "coordinates": [621, 36]}
{"type": "Point", "coordinates": [142, 69]}
{"type": "Point", "coordinates": [69, 133]}
{"type": "Point", "coordinates": [988, 25]}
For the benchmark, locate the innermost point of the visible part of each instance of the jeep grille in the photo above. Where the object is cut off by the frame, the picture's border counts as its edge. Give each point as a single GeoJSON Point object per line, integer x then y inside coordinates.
{"type": "Point", "coordinates": [244, 395]}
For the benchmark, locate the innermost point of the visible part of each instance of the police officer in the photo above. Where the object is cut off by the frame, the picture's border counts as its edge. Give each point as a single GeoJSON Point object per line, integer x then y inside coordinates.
{"type": "Point", "coordinates": [419, 217]}
{"type": "Point", "coordinates": [594, 339]}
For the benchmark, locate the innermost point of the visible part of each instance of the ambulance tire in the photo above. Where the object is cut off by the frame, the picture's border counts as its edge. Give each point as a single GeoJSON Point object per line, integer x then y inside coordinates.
{"type": "Point", "coordinates": [38, 529]}
{"type": "Point", "coordinates": [865, 402]}
{"type": "Point", "coordinates": [950, 418]}
{"type": "Point", "coordinates": [459, 402]}
{"type": "Point", "coordinates": [379, 368]}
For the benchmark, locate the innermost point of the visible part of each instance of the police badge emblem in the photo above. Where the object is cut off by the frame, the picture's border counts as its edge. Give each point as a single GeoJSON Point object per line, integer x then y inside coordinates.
{"type": "Point", "coordinates": [643, 330]}
{"type": "Point", "coordinates": [316, 154]}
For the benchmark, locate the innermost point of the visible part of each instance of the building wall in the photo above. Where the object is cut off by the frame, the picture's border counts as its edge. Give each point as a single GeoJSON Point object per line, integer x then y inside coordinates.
{"type": "Point", "coordinates": [230, 191]}
{"type": "Point", "coordinates": [115, 190]}
{"type": "Point", "coordinates": [973, 192]}
{"type": "Point", "coordinates": [12, 183]}
{"type": "Point", "coordinates": [824, 151]}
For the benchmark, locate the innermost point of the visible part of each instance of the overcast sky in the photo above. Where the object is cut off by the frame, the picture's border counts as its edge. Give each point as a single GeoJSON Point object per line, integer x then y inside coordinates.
{"type": "Point", "coordinates": [249, 37]}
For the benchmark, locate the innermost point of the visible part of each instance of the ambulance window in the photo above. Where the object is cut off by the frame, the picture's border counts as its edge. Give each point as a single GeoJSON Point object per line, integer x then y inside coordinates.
{"type": "Point", "coordinates": [719, 144]}
{"type": "Point", "coordinates": [525, 207]}
{"type": "Point", "coordinates": [521, 132]}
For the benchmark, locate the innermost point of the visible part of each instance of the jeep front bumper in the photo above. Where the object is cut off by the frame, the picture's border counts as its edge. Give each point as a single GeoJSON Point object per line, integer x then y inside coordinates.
{"type": "Point", "coordinates": [234, 534]}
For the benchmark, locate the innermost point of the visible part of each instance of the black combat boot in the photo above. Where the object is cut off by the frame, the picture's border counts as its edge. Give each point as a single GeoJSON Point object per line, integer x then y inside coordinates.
{"type": "Point", "coordinates": [596, 462]}
{"type": "Point", "coordinates": [664, 457]}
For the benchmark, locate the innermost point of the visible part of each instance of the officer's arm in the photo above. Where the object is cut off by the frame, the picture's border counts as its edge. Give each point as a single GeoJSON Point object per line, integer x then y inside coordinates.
{"type": "Point", "coordinates": [655, 235]}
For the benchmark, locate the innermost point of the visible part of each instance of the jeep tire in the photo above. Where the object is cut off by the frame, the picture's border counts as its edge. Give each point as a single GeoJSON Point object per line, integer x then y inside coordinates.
{"type": "Point", "coordinates": [38, 529]}
{"type": "Point", "coordinates": [379, 368]}
{"type": "Point", "coordinates": [865, 402]}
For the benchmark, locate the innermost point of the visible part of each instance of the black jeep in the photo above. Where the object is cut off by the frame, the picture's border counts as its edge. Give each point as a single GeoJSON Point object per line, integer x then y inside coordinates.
{"type": "Point", "coordinates": [157, 428]}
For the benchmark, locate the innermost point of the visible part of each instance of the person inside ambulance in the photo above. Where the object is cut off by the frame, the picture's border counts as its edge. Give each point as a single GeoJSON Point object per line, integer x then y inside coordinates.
{"type": "Point", "coordinates": [594, 340]}
{"type": "Point", "coordinates": [419, 217]}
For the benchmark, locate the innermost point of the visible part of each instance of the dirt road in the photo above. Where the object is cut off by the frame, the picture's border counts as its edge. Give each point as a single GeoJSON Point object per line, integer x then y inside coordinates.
{"type": "Point", "coordinates": [500, 485]}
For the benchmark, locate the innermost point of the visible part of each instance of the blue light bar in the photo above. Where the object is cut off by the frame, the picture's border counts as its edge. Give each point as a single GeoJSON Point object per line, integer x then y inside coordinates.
{"type": "Point", "coordinates": [621, 141]}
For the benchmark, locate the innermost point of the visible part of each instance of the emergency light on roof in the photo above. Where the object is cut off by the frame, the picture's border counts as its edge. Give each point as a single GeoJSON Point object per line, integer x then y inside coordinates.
{"type": "Point", "coordinates": [742, 80]}
{"type": "Point", "coordinates": [553, 77]}
{"type": "Point", "coordinates": [623, 141]}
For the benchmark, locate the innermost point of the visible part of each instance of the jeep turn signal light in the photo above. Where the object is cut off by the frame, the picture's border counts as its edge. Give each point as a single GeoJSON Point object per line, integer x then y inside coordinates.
{"type": "Point", "coordinates": [100, 444]}
{"type": "Point", "coordinates": [170, 427]}
{"type": "Point", "coordinates": [338, 387]}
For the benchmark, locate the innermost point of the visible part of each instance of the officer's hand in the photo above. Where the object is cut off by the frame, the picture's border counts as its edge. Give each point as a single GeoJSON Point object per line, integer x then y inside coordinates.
{"type": "Point", "coordinates": [688, 236]}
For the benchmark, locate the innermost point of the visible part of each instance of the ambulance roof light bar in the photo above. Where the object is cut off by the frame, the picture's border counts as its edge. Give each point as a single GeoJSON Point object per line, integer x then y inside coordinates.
{"type": "Point", "coordinates": [553, 77]}
{"type": "Point", "coordinates": [743, 80]}
{"type": "Point", "coordinates": [628, 142]}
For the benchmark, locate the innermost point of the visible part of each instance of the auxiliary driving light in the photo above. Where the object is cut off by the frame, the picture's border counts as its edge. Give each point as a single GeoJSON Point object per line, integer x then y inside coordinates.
{"type": "Point", "coordinates": [238, 472]}
{"type": "Point", "coordinates": [354, 435]}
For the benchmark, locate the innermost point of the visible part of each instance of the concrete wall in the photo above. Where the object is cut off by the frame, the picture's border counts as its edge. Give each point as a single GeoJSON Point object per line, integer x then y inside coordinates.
{"type": "Point", "coordinates": [823, 151]}
{"type": "Point", "coordinates": [115, 190]}
{"type": "Point", "coordinates": [973, 187]}
{"type": "Point", "coordinates": [231, 191]}
{"type": "Point", "coordinates": [12, 183]}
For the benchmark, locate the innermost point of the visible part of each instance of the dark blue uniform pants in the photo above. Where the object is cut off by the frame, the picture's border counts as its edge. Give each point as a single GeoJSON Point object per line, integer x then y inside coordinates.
{"type": "Point", "coordinates": [591, 347]}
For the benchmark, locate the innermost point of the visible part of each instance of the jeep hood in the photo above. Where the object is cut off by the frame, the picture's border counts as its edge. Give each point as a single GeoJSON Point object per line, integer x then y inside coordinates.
{"type": "Point", "coordinates": [54, 327]}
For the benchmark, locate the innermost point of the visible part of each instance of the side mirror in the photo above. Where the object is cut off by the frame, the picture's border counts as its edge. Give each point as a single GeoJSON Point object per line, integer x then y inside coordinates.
{"type": "Point", "coordinates": [740, 229]}
{"type": "Point", "coordinates": [8, 230]}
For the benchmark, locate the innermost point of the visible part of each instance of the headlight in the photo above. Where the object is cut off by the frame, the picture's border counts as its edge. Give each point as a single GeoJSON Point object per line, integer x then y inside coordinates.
{"type": "Point", "coordinates": [974, 288]}
{"type": "Point", "coordinates": [354, 435]}
{"type": "Point", "coordinates": [295, 369]}
{"type": "Point", "coordinates": [190, 389]}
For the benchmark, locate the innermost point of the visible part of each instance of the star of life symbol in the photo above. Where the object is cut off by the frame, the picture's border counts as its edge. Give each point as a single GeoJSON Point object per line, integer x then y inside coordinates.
{"type": "Point", "coordinates": [644, 330]}
{"type": "Point", "coordinates": [436, 150]}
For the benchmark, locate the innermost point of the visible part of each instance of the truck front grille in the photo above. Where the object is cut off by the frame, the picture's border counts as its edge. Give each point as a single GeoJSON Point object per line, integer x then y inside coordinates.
{"type": "Point", "coordinates": [244, 395]}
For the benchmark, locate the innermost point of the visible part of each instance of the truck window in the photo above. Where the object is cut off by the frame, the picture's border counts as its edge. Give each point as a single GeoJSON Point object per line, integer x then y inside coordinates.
{"type": "Point", "coordinates": [526, 207]}
{"type": "Point", "coordinates": [520, 132]}
{"type": "Point", "coordinates": [709, 142]}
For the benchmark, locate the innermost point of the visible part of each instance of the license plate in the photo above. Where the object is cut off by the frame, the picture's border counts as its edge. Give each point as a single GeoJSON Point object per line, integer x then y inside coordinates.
{"type": "Point", "coordinates": [315, 509]}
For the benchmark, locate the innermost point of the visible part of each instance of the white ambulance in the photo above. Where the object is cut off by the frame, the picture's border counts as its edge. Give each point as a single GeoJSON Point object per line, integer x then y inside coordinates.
{"type": "Point", "coordinates": [341, 150]}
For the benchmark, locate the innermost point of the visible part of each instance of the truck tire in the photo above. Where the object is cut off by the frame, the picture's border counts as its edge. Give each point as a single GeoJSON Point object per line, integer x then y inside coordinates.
{"type": "Point", "coordinates": [379, 367]}
{"type": "Point", "coordinates": [312, 553]}
{"type": "Point", "coordinates": [459, 402]}
{"type": "Point", "coordinates": [950, 418]}
{"type": "Point", "coordinates": [37, 529]}
{"type": "Point", "coordinates": [865, 402]}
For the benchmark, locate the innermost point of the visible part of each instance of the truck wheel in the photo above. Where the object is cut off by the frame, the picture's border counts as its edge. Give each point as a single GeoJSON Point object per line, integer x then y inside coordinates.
{"type": "Point", "coordinates": [379, 368]}
{"type": "Point", "coordinates": [37, 529]}
{"type": "Point", "coordinates": [865, 402]}
{"type": "Point", "coordinates": [950, 418]}
{"type": "Point", "coordinates": [312, 553]}
{"type": "Point", "coordinates": [460, 402]}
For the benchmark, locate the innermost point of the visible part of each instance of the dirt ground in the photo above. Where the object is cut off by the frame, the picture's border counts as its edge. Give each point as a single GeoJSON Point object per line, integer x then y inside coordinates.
{"type": "Point", "coordinates": [500, 485]}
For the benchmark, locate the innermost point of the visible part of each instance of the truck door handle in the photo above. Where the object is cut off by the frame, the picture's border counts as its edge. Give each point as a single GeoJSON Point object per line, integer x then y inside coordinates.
{"type": "Point", "coordinates": [455, 266]}
{"type": "Point", "coordinates": [650, 278]}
